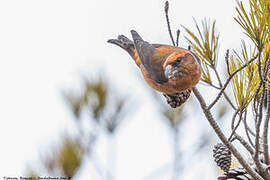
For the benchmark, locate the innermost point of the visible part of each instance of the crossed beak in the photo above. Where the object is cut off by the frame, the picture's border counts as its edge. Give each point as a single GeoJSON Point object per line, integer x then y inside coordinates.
{"type": "Point", "coordinates": [170, 71]}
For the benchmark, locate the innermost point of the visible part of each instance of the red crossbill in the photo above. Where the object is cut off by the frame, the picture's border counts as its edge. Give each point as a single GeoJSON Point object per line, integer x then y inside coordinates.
{"type": "Point", "coordinates": [165, 68]}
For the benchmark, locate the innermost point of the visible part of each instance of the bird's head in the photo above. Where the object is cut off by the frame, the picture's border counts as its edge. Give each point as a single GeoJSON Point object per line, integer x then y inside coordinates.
{"type": "Point", "coordinates": [179, 65]}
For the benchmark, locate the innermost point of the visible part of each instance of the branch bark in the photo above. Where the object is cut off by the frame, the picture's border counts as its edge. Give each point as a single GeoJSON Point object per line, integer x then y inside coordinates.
{"type": "Point", "coordinates": [265, 131]}
{"type": "Point", "coordinates": [229, 79]}
{"type": "Point", "coordinates": [166, 9]}
{"type": "Point", "coordinates": [221, 86]}
{"type": "Point", "coordinates": [222, 137]}
{"type": "Point", "coordinates": [244, 143]}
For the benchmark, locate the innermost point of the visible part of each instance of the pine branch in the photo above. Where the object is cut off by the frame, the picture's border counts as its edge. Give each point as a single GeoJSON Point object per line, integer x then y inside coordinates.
{"type": "Point", "coordinates": [228, 81]}
{"type": "Point", "coordinates": [232, 124]}
{"type": "Point", "coordinates": [257, 139]}
{"type": "Point", "coordinates": [259, 121]}
{"type": "Point", "coordinates": [166, 8]}
{"type": "Point", "coordinates": [267, 118]}
{"type": "Point", "coordinates": [221, 85]}
{"type": "Point", "coordinates": [177, 37]}
{"type": "Point", "coordinates": [227, 61]}
{"type": "Point", "coordinates": [265, 131]}
{"type": "Point", "coordinates": [222, 137]}
{"type": "Point", "coordinates": [244, 143]}
{"type": "Point", "coordinates": [248, 130]}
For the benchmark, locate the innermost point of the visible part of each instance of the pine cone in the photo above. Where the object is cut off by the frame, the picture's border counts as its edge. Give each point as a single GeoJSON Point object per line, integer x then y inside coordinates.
{"type": "Point", "coordinates": [222, 156]}
{"type": "Point", "coordinates": [237, 173]}
{"type": "Point", "coordinates": [177, 99]}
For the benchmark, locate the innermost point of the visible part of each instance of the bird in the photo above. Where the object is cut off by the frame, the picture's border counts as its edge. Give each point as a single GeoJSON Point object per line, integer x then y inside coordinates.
{"type": "Point", "coordinates": [168, 69]}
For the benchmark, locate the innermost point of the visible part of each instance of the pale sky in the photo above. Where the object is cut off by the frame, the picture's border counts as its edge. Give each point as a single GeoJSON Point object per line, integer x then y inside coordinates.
{"type": "Point", "coordinates": [45, 47]}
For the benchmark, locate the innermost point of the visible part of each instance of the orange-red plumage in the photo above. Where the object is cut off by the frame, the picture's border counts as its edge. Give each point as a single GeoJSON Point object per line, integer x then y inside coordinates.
{"type": "Point", "coordinates": [165, 68]}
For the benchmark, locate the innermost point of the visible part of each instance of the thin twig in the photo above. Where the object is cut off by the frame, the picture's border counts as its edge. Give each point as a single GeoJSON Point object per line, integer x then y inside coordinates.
{"type": "Point", "coordinates": [244, 143]}
{"type": "Point", "coordinates": [222, 137]}
{"type": "Point", "coordinates": [166, 8]}
{"type": "Point", "coordinates": [246, 126]}
{"type": "Point", "coordinates": [247, 130]}
{"type": "Point", "coordinates": [267, 118]}
{"type": "Point", "coordinates": [227, 61]}
{"type": "Point", "coordinates": [233, 118]}
{"type": "Point", "coordinates": [257, 138]}
{"type": "Point", "coordinates": [229, 101]}
{"type": "Point", "coordinates": [232, 125]}
{"type": "Point", "coordinates": [229, 79]}
{"type": "Point", "coordinates": [221, 85]}
{"type": "Point", "coordinates": [237, 125]}
{"type": "Point", "coordinates": [260, 67]}
{"type": "Point", "coordinates": [265, 132]}
{"type": "Point", "coordinates": [214, 86]}
{"type": "Point", "coordinates": [255, 102]}
{"type": "Point", "coordinates": [177, 37]}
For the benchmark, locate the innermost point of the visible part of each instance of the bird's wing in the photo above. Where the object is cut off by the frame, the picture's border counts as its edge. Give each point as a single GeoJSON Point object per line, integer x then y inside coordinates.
{"type": "Point", "coordinates": [151, 64]}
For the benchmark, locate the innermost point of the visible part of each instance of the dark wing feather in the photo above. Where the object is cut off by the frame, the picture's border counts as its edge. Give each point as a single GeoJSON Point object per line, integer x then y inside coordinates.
{"type": "Point", "coordinates": [145, 51]}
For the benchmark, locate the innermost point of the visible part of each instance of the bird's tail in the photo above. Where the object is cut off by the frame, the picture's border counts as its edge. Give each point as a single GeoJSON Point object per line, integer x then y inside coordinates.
{"type": "Point", "coordinates": [125, 43]}
{"type": "Point", "coordinates": [136, 37]}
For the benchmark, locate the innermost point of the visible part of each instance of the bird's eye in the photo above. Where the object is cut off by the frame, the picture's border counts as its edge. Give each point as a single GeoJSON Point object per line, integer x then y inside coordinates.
{"type": "Point", "coordinates": [178, 60]}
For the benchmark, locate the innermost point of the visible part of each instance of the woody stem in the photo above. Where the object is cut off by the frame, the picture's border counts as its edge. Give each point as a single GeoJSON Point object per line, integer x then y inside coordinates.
{"type": "Point", "coordinates": [222, 137]}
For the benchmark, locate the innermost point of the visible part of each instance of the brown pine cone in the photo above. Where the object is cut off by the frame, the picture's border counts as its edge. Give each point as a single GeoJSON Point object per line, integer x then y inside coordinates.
{"type": "Point", "coordinates": [237, 173]}
{"type": "Point", "coordinates": [176, 100]}
{"type": "Point", "coordinates": [222, 156]}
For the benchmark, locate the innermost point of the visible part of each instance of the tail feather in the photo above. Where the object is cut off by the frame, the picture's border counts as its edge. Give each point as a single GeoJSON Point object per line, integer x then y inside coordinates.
{"type": "Point", "coordinates": [136, 37]}
{"type": "Point", "coordinates": [123, 42]}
